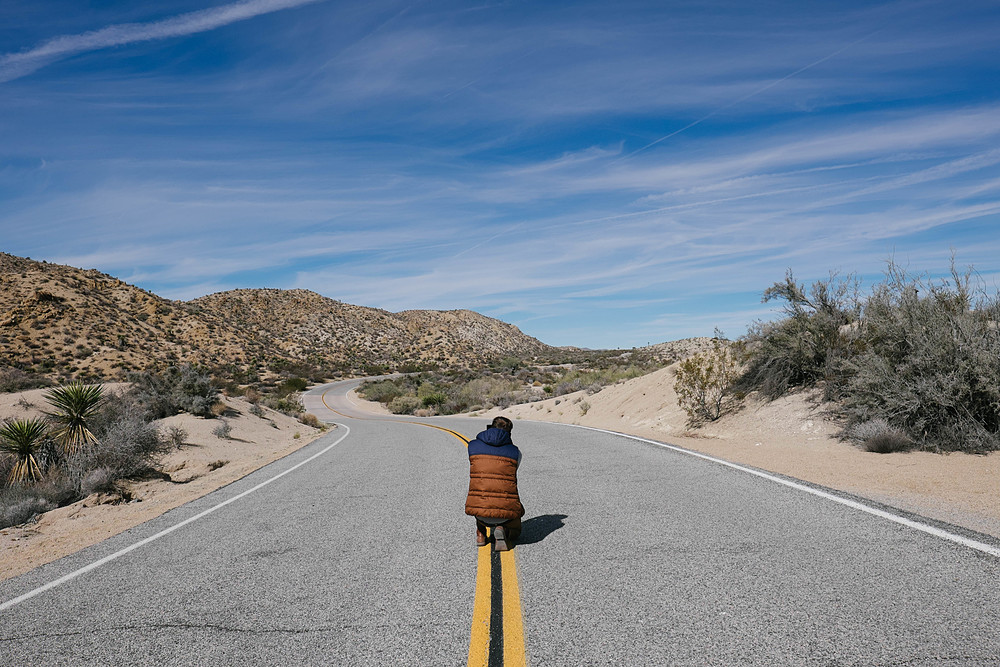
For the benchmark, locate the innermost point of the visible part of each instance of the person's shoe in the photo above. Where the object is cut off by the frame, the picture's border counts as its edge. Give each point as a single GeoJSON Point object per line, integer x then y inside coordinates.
{"type": "Point", "coordinates": [500, 539]}
{"type": "Point", "coordinates": [480, 537]}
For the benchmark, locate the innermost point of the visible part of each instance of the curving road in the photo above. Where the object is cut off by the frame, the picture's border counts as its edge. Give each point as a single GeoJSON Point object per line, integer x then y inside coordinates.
{"type": "Point", "coordinates": [632, 555]}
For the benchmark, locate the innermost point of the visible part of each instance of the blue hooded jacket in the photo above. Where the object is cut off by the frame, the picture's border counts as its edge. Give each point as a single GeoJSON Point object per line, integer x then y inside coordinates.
{"type": "Point", "coordinates": [495, 442]}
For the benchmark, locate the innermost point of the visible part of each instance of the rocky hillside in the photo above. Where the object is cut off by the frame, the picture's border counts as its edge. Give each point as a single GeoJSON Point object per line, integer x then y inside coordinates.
{"type": "Point", "coordinates": [306, 325]}
{"type": "Point", "coordinates": [70, 323]}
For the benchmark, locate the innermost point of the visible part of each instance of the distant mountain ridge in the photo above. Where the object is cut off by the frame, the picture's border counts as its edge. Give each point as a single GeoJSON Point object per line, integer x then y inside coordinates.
{"type": "Point", "coordinates": [68, 322]}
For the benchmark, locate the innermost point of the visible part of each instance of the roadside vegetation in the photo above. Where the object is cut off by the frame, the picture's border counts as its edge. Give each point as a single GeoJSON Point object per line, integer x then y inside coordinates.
{"type": "Point", "coordinates": [507, 382]}
{"type": "Point", "coordinates": [704, 381]}
{"type": "Point", "coordinates": [913, 364]}
{"type": "Point", "coordinates": [89, 441]}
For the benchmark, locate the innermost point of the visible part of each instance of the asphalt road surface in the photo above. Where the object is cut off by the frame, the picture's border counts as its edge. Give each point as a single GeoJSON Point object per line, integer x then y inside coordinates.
{"type": "Point", "coordinates": [631, 554]}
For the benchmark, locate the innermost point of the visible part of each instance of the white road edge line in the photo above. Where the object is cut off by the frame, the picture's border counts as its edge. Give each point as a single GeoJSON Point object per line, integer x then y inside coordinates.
{"type": "Point", "coordinates": [910, 523]}
{"type": "Point", "coordinates": [107, 559]}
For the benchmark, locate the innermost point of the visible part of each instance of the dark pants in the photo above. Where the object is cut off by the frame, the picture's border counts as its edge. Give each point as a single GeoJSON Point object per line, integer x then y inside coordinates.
{"type": "Point", "coordinates": [511, 526]}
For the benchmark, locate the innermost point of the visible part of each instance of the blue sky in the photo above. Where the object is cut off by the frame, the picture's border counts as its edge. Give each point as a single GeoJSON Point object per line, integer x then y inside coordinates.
{"type": "Point", "coordinates": [600, 174]}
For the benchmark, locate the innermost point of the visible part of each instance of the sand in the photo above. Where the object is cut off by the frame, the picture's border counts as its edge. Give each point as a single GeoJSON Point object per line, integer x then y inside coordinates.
{"type": "Point", "coordinates": [793, 436]}
{"type": "Point", "coordinates": [203, 464]}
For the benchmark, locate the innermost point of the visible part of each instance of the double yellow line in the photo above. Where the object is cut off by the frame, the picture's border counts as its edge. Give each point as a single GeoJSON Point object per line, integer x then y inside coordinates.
{"type": "Point", "coordinates": [497, 624]}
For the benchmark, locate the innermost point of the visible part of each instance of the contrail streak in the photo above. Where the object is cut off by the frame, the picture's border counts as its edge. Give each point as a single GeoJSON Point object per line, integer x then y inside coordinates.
{"type": "Point", "coordinates": [16, 65]}
{"type": "Point", "coordinates": [754, 93]}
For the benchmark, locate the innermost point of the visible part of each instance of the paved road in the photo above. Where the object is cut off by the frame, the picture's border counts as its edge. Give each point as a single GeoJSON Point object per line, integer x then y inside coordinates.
{"type": "Point", "coordinates": [632, 555]}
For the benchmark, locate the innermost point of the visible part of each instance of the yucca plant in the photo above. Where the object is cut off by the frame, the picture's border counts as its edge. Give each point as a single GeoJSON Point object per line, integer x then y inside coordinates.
{"type": "Point", "coordinates": [75, 407]}
{"type": "Point", "coordinates": [21, 439]}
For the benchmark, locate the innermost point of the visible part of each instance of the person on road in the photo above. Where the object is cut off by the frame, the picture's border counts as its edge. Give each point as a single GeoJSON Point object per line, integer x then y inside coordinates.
{"type": "Point", "coordinates": [493, 498]}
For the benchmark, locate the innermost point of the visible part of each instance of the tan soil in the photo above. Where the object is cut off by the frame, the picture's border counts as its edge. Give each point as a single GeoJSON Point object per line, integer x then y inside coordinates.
{"type": "Point", "coordinates": [255, 442]}
{"type": "Point", "coordinates": [792, 436]}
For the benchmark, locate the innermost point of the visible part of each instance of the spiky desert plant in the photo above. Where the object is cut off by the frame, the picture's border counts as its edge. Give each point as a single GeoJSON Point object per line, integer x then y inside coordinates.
{"type": "Point", "coordinates": [75, 407]}
{"type": "Point", "coordinates": [21, 439]}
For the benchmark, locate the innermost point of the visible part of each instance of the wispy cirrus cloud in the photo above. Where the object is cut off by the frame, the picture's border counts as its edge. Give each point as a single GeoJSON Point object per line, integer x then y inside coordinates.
{"type": "Point", "coordinates": [16, 65]}
{"type": "Point", "coordinates": [521, 159]}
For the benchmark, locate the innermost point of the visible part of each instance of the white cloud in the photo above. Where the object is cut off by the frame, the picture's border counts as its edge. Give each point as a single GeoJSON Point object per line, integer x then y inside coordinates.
{"type": "Point", "coordinates": [16, 65]}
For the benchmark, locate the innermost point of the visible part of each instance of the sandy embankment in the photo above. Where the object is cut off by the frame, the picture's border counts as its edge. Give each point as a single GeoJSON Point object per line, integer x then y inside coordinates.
{"type": "Point", "coordinates": [194, 470]}
{"type": "Point", "coordinates": [791, 436]}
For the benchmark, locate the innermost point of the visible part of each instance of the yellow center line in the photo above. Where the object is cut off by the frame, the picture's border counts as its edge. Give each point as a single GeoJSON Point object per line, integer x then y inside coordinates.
{"type": "Point", "coordinates": [479, 643]}
{"type": "Point", "coordinates": [513, 623]}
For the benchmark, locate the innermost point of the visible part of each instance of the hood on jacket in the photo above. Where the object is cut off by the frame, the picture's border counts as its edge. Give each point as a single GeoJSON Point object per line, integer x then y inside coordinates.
{"type": "Point", "coordinates": [497, 437]}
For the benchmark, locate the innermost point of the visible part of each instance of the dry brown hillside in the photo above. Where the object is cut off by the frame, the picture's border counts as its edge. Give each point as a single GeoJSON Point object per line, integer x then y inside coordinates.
{"type": "Point", "coordinates": [306, 325]}
{"type": "Point", "coordinates": [66, 322]}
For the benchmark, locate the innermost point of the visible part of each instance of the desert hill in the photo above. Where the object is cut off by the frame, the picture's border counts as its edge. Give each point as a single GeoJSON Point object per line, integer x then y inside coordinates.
{"type": "Point", "coordinates": [306, 325]}
{"type": "Point", "coordinates": [66, 322]}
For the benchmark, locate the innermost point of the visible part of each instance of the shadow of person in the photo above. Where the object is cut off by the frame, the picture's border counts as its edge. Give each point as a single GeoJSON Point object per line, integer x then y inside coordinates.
{"type": "Point", "coordinates": [537, 528]}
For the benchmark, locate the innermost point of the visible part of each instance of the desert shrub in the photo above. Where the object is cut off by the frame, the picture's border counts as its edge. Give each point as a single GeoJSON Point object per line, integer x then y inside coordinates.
{"type": "Point", "coordinates": [584, 407]}
{"type": "Point", "coordinates": [97, 480]}
{"type": "Point", "coordinates": [929, 362]}
{"type": "Point", "coordinates": [921, 355]}
{"type": "Point", "coordinates": [704, 381]}
{"type": "Point", "coordinates": [878, 436]}
{"type": "Point", "coordinates": [128, 444]}
{"type": "Point", "coordinates": [223, 431]}
{"type": "Point", "coordinates": [18, 506]}
{"type": "Point", "coordinates": [257, 411]}
{"type": "Point", "coordinates": [177, 389]}
{"type": "Point", "coordinates": [309, 419]}
{"type": "Point", "coordinates": [15, 379]}
{"type": "Point", "coordinates": [291, 386]}
{"type": "Point", "coordinates": [290, 405]}
{"type": "Point", "coordinates": [404, 405]}
{"type": "Point", "coordinates": [175, 436]}
{"type": "Point", "coordinates": [434, 399]}
{"type": "Point", "coordinates": [382, 392]}
{"type": "Point", "coordinates": [808, 344]}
